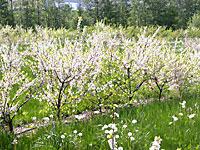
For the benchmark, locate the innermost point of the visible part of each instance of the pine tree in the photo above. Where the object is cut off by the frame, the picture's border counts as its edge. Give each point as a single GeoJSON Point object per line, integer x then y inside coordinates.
{"type": "Point", "coordinates": [4, 12]}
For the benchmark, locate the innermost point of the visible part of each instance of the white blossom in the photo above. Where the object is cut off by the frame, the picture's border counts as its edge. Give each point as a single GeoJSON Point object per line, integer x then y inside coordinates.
{"type": "Point", "coordinates": [80, 134]}
{"type": "Point", "coordinates": [134, 121]}
{"type": "Point", "coordinates": [75, 131]}
{"type": "Point", "coordinates": [175, 118]}
{"type": "Point", "coordinates": [191, 116]}
{"type": "Point", "coordinates": [130, 134]}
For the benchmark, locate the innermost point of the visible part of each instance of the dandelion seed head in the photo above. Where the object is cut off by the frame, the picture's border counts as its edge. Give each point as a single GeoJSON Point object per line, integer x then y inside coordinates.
{"type": "Point", "coordinates": [134, 121]}
{"type": "Point", "coordinates": [130, 134]}
{"type": "Point", "coordinates": [75, 131]}
{"type": "Point", "coordinates": [62, 136]}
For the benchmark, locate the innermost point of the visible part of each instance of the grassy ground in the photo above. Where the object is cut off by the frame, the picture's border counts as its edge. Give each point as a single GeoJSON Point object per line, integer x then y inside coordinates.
{"type": "Point", "coordinates": [153, 119]}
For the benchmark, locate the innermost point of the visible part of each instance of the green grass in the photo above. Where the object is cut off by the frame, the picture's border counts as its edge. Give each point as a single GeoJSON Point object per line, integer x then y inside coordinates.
{"type": "Point", "coordinates": [153, 120]}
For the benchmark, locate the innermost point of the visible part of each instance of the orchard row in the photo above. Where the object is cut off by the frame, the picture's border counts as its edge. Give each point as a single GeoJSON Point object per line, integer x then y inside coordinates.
{"type": "Point", "coordinates": [101, 67]}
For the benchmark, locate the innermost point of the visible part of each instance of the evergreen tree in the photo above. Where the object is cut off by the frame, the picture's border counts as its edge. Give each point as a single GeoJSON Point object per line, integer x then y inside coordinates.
{"type": "Point", "coordinates": [4, 12]}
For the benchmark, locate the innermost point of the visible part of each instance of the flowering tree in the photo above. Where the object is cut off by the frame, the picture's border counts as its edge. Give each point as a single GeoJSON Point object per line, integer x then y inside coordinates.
{"type": "Point", "coordinates": [17, 87]}
{"type": "Point", "coordinates": [131, 62]}
{"type": "Point", "coordinates": [99, 86]}
{"type": "Point", "coordinates": [170, 68]}
{"type": "Point", "coordinates": [63, 67]}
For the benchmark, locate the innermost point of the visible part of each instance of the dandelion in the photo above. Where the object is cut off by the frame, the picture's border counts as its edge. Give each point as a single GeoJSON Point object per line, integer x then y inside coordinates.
{"type": "Point", "coordinates": [180, 114]}
{"type": "Point", "coordinates": [175, 118]}
{"type": "Point", "coordinates": [134, 121]}
{"type": "Point", "coordinates": [34, 118]}
{"type": "Point", "coordinates": [75, 131]}
{"type": "Point", "coordinates": [191, 116]}
{"type": "Point", "coordinates": [120, 148]}
{"type": "Point", "coordinates": [132, 138]}
{"type": "Point", "coordinates": [62, 136]}
{"type": "Point", "coordinates": [183, 104]}
{"type": "Point", "coordinates": [130, 134]}
{"type": "Point", "coordinates": [80, 134]}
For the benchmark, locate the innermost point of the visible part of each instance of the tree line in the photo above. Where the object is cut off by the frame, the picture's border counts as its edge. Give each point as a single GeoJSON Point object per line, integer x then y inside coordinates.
{"type": "Point", "coordinates": [173, 14]}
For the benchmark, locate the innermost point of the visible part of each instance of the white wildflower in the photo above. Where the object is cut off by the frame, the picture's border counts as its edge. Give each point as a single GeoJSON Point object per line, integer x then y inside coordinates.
{"type": "Point", "coordinates": [112, 143]}
{"type": "Point", "coordinates": [96, 112]}
{"type": "Point", "coordinates": [79, 117]}
{"type": "Point", "coordinates": [34, 118]}
{"type": "Point", "coordinates": [46, 119]}
{"type": "Point", "coordinates": [180, 114]}
{"type": "Point", "coordinates": [48, 137]}
{"type": "Point", "coordinates": [75, 131]}
{"type": "Point", "coordinates": [134, 121]}
{"type": "Point", "coordinates": [191, 116]}
{"type": "Point", "coordinates": [175, 118]}
{"type": "Point", "coordinates": [62, 136]}
{"type": "Point", "coordinates": [183, 104]}
{"type": "Point", "coordinates": [156, 144]}
{"type": "Point", "coordinates": [112, 125]}
{"type": "Point", "coordinates": [80, 134]}
{"type": "Point", "coordinates": [116, 114]}
{"type": "Point", "coordinates": [120, 148]}
{"type": "Point", "coordinates": [132, 138]}
{"type": "Point", "coordinates": [105, 127]}
{"type": "Point", "coordinates": [14, 141]}
{"type": "Point", "coordinates": [51, 116]}
{"type": "Point", "coordinates": [107, 132]}
{"type": "Point", "coordinates": [130, 134]}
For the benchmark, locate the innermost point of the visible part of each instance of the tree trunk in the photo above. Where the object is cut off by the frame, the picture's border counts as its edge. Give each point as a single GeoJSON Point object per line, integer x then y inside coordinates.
{"type": "Point", "coordinates": [10, 124]}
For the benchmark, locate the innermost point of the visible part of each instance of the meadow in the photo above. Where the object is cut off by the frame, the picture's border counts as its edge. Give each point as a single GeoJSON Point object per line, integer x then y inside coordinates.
{"type": "Point", "coordinates": [99, 87]}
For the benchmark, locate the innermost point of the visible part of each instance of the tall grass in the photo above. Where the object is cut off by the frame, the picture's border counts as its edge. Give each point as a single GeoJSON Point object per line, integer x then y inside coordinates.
{"type": "Point", "coordinates": [153, 119]}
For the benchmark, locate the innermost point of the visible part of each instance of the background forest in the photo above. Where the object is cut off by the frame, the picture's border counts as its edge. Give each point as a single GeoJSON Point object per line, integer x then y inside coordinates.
{"type": "Point", "coordinates": [174, 14]}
